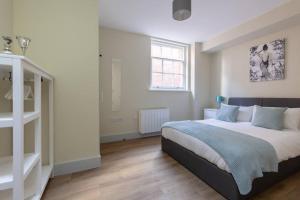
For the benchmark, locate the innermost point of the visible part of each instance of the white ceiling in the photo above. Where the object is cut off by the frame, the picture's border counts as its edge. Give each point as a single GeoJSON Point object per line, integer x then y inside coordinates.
{"type": "Point", "coordinates": [154, 17]}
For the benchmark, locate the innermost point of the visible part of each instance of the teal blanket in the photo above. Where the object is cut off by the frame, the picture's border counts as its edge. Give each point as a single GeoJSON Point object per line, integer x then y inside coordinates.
{"type": "Point", "coordinates": [247, 157]}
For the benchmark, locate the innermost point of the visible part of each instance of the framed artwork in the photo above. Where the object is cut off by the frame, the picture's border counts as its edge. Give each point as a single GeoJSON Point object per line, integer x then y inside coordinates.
{"type": "Point", "coordinates": [267, 61]}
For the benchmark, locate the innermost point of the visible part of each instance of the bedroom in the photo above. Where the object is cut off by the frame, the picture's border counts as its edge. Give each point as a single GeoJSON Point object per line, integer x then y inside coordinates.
{"type": "Point", "coordinates": [120, 66]}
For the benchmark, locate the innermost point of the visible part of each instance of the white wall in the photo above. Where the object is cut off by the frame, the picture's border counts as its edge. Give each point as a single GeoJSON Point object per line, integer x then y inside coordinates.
{"type": "Point", "coordinates": [135, 53]}
{"type": "Point", "coordinates": [230, 69]}
{"type": "Point", "coordinates": [279, 18]}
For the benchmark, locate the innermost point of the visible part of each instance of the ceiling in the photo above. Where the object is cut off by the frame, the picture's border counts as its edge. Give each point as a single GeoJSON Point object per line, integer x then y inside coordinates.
{"type": "Point", "coordinates": [154, 17]}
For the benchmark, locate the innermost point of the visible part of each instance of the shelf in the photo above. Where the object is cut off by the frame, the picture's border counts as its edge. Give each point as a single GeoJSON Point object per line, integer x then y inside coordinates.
{"type": "Point", "coordinates": [6, 176]}
{"type": "Point", "coordinates": [30, 181]}
{"type": "Point", "coordinates": [30, 116]}
{"type": "Point", "coordinates": [35, 197]}
{"type": "Point", "coordinates": [30, 185]}
{"type": "Point", "coordinates": [46, 174]}
{"type": "Point", "coordinates": [6, 119]}
{"type": "Point", "coordinates": [6, 60]}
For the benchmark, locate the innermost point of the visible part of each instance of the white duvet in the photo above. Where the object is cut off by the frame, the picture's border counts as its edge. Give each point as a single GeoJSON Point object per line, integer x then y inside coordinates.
{"type": "Point", "coordinates": [286, 142]}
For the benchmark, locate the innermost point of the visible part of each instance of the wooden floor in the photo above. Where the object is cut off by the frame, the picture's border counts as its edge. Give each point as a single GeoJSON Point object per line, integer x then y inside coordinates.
{"type": "Point", "coordinates": [139, 170]}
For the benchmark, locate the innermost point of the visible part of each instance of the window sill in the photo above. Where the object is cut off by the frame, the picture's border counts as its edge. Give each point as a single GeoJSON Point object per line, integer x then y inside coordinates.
{"type": "Point", "coordinates": [167, 90]}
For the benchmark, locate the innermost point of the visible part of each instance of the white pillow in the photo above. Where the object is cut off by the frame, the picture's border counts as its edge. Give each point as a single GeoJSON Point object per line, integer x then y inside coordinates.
{"type": "Point", "coordinates": [245, 114]}
{"type": "Point", "coordinates": [291, 119]}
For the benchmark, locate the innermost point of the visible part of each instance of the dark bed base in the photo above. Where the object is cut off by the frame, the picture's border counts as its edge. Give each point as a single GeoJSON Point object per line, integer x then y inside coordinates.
{"type": "Point", "coordinates": [223, 181]}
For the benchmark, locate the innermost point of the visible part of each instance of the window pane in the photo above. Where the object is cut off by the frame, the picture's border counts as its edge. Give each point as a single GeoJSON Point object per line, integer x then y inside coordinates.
{"type": "Point", "coordinates": [178, 81]}
{"type": "Point", "coordinates": [173, 53]}
{"type": "Point", "coordinates": [156, 65]}
{"type": "Point", "coordinates": [173, 81]}
{"type": "Point", "coordinates": [167, 52]}
{"type": "Point", "coordinates": [173, 67]}
{"type": "Point", "coordinates": [156, 80]}
{"type": "Point", "coordinates": [168, 67]}
{"type": "Point", "coordinates": [178, 67]}
{"type": "Point", "coordinates": [177, 53]}
{"type": "Point", "coordinates": [156, 51]}
{"type": "Point", "coordinates": [168, 80]}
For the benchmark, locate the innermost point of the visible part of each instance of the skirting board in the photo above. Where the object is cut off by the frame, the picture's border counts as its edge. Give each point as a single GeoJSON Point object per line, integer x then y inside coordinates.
{"type": "Point", "coordinates": [125, 136]}
{"type": "Point", "coordinates": [77, 166]}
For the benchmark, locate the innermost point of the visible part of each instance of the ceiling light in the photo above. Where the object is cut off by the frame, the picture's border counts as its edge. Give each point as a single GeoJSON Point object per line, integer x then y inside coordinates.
{"type": "Point", "coordinates": [182, 9]}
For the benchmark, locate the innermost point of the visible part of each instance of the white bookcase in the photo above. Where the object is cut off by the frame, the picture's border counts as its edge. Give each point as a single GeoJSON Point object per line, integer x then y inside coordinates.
{"type": "Point", "coordinates": [24, 176]}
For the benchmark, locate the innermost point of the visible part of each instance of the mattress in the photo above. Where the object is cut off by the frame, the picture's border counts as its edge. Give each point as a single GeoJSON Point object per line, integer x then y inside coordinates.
{"type": "Point", "coordinates": [285, 142]}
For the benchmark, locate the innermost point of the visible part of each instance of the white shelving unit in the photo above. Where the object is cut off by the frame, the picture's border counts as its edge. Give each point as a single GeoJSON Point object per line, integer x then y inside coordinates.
{"type": "Point", "coordinates": [23, 176]}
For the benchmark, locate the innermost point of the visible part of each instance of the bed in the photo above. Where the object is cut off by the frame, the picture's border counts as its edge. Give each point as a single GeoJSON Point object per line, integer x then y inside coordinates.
{"type": "Point", "coordinates": [211, 168]}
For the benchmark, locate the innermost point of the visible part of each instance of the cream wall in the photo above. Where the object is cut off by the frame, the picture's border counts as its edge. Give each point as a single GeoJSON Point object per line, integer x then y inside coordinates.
{"type": "Point", "coordinates": [64, 37]}
{"type": "Point", "coordinates": [134, 52]}
{"type": "Point", "coordinates": [5, 106]}
{"type": "Point", "coordinates": [200, 80]}
{"type": "Point", "coordinates": [230, 69]}
{"type": "Point", "coordinates": [5, 18]}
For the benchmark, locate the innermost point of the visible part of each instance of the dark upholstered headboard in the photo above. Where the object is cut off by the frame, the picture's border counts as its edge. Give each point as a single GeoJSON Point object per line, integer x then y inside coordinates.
{"type": "Point", "coordinates": [268, 102]}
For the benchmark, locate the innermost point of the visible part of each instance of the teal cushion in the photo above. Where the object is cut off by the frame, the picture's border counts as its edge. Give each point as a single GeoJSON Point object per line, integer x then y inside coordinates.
{"type": "Point", "coordinates": [268, 117]}
{"type": "Point", "coordinates": [228, 113]}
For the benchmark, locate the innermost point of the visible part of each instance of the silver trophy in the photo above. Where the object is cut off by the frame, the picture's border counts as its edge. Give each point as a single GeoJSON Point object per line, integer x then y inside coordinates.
{"type": "Point", "coordinates": [7, 44]}
{"type": "Point", "coordinates": [23, 43]}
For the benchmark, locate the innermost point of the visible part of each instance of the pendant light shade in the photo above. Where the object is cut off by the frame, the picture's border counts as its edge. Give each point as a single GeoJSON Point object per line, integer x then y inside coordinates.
{"type": "Point", "coordinates": [182, 9]}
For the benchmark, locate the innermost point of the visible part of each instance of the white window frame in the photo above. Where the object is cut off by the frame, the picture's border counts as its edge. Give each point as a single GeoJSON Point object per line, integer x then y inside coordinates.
{"type": "Point", "coordinates": [185, 63]}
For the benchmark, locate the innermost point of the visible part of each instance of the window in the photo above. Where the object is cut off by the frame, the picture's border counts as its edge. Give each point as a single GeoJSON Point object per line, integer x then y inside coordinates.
{"type": "Point", "coordinates": [169, 65]}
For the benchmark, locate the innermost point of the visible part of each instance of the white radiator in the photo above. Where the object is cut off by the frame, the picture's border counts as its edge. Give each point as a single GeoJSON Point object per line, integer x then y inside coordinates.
{"type": "Point", "coordinates": [150, 120]}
